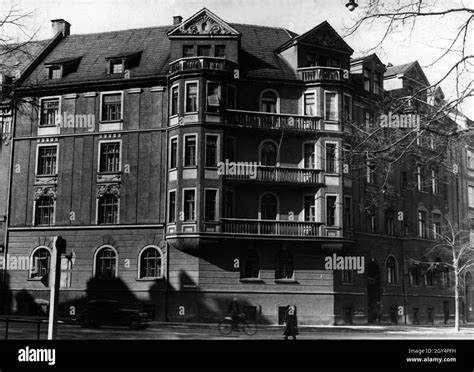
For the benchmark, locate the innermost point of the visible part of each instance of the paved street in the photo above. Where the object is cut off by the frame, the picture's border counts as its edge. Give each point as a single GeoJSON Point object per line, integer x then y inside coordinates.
{"type": "Point", "coordinates": [173, 331]}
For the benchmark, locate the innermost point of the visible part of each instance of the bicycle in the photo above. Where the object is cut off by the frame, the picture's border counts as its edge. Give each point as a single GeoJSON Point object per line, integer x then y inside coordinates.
{"type": "Point", "coordinates": [226, 326]}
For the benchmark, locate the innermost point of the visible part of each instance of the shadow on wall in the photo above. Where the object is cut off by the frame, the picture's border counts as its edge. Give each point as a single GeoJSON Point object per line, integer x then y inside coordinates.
{"type": "Point", "coordinates": [5, 294]}
{"type": "Point", "coordinates": [187, 304]}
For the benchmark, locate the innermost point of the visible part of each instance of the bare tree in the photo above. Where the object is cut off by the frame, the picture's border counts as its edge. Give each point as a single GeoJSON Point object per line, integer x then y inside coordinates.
{"type": "Point", "coordinates": [451, 256]}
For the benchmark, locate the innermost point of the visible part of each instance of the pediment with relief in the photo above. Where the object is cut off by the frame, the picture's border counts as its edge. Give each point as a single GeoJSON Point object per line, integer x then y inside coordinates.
{"type": "Point", "coordinates": [203, 23]}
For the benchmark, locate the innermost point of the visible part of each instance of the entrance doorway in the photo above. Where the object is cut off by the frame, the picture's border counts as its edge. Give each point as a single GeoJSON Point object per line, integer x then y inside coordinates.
{"type": "Point", "coordinates": [374, 308]}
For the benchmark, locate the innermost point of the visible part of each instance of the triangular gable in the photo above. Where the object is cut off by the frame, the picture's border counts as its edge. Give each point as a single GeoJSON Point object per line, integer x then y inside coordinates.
{"type": "Point", "coordinates": [416, 72]}
{"type": "Point", "coordinates": [323, 35]}
{"type": "Point", "coordinates": [203, 23]}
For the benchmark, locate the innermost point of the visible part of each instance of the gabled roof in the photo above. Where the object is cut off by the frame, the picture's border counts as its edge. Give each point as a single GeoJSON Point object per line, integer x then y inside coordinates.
{"type": "Point", "coordinates": [203, 23]}
{"type": "Point", "coordinates": [407, 69]}
{"type": "Point", "coordinates": [15, 57]}
{"type": "Point", "coordinates": [322, 35]}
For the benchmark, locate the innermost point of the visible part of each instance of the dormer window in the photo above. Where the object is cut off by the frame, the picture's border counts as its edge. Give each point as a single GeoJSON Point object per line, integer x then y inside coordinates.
{"type": "Point", "coordinates": [62, 67]}
{"type": "Point", "coordinates": [220, 51]}
{"type": "Point", "coordinates": [116, 67]}
{"type": "Point", "coordinates": [188, 51]}
{"type": "Point", "coordinates": [55, 72]}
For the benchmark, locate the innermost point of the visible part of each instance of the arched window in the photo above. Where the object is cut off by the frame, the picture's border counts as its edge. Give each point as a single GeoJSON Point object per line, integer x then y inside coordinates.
{"type": "Point", "coordinates": [151, 263]}
{"type": "Point", "coordinates": [390, 221]}
{"type": "Point", "coordinates": [40, 262]}
{"type": "Point", "coordinates": [284, 269]}
{"type": "Point", "coordinates": [268, 207]}
{"type": "Point", "coordinates": [269, 102]}
{"type": "Point", "coordinates": [250, 268]}
{"type": "Point", "coordinates": [44, 212]}
{"type": "Point", "coordinates": [268, 153]}
{"type": "Point", "coordinates": [106, 263]}
{"type": "Point", "coordinates": [391, 270]}
{"type": "Point", "coordinates": [108, 209]}
{"type": "Point", "coordinates": [414, 275]}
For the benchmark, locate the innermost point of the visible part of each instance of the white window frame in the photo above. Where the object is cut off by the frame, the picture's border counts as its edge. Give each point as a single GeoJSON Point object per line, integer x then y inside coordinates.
{"type": "Point", "coordinates": [171, 101]}
{"type": "Point", "coordinates": [102, 94]}
{"type": "Point", "coordinates": [170, 149]}
{"type": "Point", "coordinates": [260, 204]}
{"type": "Point", "coordinates": [218, 150]}
{"type": "Point", "coordinates": [470, 196]}
{"type": "Point", "coordinates": [336, 158]}
{"type": "Point", "coordinates": [186, 84]}
{"type": "Point", "coordinates": [434, 182]}
{"type": "Point", "coordinates": [337, 215]}
{"type": "Point", "coordinates": [397, 271]}
{"type": "Point", "coordinates": [314, 206]}
{"type": "Point", "coordinates": [48, 98]}
{"type": "Point", "coordinates": [195, 135]}
{"type": "Point", "coordinates": [183, 201]}
{"type": "Point", "coordinates": [117, 260]}
{"type": "Point", "coordinates": [207, 95]}
{"type": "Point", "coordinates": [277, 99]}
{"type": "Point", "coordinates": [37, 158]}
{"type": "Point", "coordinates": [303, 105]}
{"type": "Point", "coordinates": [34, 214]}
{"type": "Point", "coordinates": [418, 222]}
{"type": "Point", "coordinates": [99, 144]}
{"type": "Point", "coordinates": [303, 153]}
{"type": "Point", "coordinates": [337, 106]}
{"type": "Point", "coordinates": [97, 213]}
{"type": "Point", "coordinates": [216, 205]}
{"type": "Point", "coordinates": [176, 214]}
{"type": "Point", "coordinates": [277, 163]}
{"type": "Point", "coordinates": [350, 107]}
{"type": "Point", "coordinates": [31, 261]}
{"type": "Point", "coordinates": [162, 265]}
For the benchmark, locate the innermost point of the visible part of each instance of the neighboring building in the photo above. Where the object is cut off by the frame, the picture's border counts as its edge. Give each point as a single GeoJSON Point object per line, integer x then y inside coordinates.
{"type": "Point", "coordinates": [189, 164]}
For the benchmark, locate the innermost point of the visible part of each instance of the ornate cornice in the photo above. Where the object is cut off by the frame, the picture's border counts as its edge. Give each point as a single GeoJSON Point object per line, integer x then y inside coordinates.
{"type": "Point", "coordinates": [45, 191]}
{"type": "Point", "coordinates": [113, 189]}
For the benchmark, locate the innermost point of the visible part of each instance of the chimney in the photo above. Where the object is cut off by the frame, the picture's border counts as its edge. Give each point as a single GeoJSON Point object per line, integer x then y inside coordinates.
{"type": "Point", "coordinates": [177, 20]}
{"type": "Point", "coordinates": [60, 25]}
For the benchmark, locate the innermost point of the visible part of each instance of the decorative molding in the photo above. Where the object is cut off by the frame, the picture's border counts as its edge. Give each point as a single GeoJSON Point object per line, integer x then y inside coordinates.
{"type": "Point", "coordinates": [46, 180]}
{"type": "Point", "coordinates": [204, 23]}
{"type": "Point", "coordinates": [110, 135]}
{"type": "Point", "coordinates": [47, 139]}
{"type": "Point", "coordinates": [157, 89]}
{"type": "Point", "coordinates": [134, 90]}
{"type": "Point", "coordinates": [113, 189]}
{"type": "Point", "coordinates": [50, 191]}
{"type": "Point", "coordinates": [90, 94]}
{"type": "Point", "coordinates": [109, 178]}
{"type": "Point", "coordinates": [71, 96]}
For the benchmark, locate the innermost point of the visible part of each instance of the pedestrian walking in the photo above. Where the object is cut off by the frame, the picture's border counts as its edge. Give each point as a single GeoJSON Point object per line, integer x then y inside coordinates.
{"type": "Point", "coordinates": [291, 323]}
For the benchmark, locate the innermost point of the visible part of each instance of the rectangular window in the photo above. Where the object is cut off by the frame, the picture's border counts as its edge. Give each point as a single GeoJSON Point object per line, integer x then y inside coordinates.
{"type": "Point", "coordinates": [190, 151]}
{"type": "Point", "coordinates": [191, 97]}
{"type": "Point", "coordinates": [112, 107]}
{"type": "Point", "coordinates": [211, 150]}
{"type": "Point", "coordinates": [49, 112]}
{"type": "Point", "coordinates": [204, 50]}
{"type": "Point", "coordinates": [420, 178]}
{"type": "Point", "coordinates": [230, 147]}
{"type": "Point", "coordinates": [189, 205]}
{"type": "Point", "coordinates": [174, 100]}
{"type": "Point", "coordinates": [109, 157]}
{"type": "Point", "coordinates": [434, 182]}
{"type": "Point", "coordinates": [390, 222]}
{"type": "Point", "coordinates": [422, 232]}
{"type": "Point", "coordinates": [220, 51]}
{"type": "Point", "coordinates": [172, 207]}
{"type": "Point", "coordinates": [377, 83]}
{"type": "Point", "coordinates": [470, 196]}
{"type": "Point", "coordinates": [436, 225]}
{"type": "Point", "coordinates": [331, 210]}
{"type": "Point", "coordinates": [210, 211]}
{"type": "Point", "coordinates": [309, 208]}
{"type": "Point", "coordinates": [231, 97]}
{"type": "Point", "coordinates": [367, 74]}
{"type": "Point", "coordinates": [309, 156]}
{"type": "Point", "coordinates": [331, 111]}
{"type": "Point", "coordinates": [347, 212]}
{"type": "Point", "coordinates": [330, 158]}
{"type": "Point", "coordinates": [188, 51]}
{"type": "Point", "coordinates": [347, 108]}
{"type": "Point", "coordinates": [116, 67]}
{"type": "Point", "coordinates": [47, 158]}
{"type": "Point", "coordinates": [229, 204]}
{"type": "Point", "coordinates": [173, 153]}
{"type": "Point", "coordinates": [213, 97]}
{"type": "Point", "coordinates": [309, 104]}
{"type": "Point", "coordinates": [55, 72]}
{"type": "Point", "coordinates": [371, 221]}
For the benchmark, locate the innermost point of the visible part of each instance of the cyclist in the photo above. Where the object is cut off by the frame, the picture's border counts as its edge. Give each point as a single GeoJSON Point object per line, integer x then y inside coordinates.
{"type": "Point", "coordinates": [235, 313]}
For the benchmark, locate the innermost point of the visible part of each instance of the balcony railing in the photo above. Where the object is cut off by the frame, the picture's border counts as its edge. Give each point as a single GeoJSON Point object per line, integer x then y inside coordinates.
{"type": "Point", "coordinates": [249, 172]}
{"type": "Point", "coordinates": [201, 63]}
{"type": "Point", "coordinates": [270, 227]}
{"type": "Point", "coordinates": [257, 119]}
{"type": "Point", "coordinates": [309, 74]}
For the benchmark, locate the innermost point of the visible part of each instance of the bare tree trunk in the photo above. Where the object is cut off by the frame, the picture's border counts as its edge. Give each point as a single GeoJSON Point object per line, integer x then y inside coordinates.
{"type": "Point", "coordinates": [456, 300]}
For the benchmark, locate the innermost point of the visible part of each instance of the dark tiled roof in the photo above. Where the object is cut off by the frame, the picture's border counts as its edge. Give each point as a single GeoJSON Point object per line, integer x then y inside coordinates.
{"type": "Point", "coordinates": [15, 57]}
{"type": "Point", "coordinates": [258, 59]}
{"type": "Point", "coordinates": [400, 69]}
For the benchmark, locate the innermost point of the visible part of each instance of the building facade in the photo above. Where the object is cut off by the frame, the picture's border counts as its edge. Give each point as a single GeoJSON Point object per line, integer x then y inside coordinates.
{"type": "Point", "coordinates": [190, 164]}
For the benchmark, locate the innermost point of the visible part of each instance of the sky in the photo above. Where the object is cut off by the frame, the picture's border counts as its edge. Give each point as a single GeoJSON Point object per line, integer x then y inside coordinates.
{"type": "Point", "coordinates": [424, 43]}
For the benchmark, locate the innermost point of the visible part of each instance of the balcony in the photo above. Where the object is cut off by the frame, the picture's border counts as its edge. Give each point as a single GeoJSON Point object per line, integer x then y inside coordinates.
{"type": "Point", "coordinates": [263, 120]}
{"type": "Point", "coordinates": [269, 227]}
{"type": "Point", "coordinates": [311, 74]}
{"type": "Point", "coordinates": [294, 176]}
{"type": "Point", "coordinates": [196, 64]}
